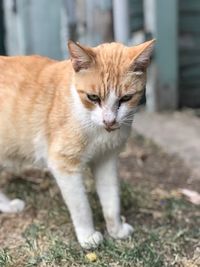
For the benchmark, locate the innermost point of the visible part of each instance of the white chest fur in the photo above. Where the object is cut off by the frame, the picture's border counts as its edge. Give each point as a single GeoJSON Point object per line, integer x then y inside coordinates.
{"type": "Point", "coordinates": [101, 142]}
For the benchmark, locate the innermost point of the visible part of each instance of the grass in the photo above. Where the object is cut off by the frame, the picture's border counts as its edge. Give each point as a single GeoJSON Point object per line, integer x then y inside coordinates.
{"type": "Point", "coordinates": [5, 258]}
{"type": "Point", "coordinates": [166, 229]}
{"type": "Point", "coordinates": [163, 234]}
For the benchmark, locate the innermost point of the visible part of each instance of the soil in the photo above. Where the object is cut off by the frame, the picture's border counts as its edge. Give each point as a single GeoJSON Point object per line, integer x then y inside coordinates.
{"type": "Point", "coordinates": [144, 162]}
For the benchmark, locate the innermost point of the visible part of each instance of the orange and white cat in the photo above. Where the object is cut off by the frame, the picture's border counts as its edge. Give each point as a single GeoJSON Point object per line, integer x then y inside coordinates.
{"type": "Point", "coordinates": [69, 114]}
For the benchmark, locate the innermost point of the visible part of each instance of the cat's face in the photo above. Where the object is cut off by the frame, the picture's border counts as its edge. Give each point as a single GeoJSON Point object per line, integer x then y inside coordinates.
{"type": "Point", "coordinates": [110, 80]}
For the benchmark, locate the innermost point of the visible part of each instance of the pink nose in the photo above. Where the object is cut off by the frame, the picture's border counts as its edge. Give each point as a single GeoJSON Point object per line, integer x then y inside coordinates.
{"type": "Point", "coordinates": [109, 124]}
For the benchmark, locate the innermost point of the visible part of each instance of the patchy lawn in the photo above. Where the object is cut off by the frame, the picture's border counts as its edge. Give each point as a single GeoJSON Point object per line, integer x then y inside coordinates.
{"type": "Point", "coordinates": [167, 231]}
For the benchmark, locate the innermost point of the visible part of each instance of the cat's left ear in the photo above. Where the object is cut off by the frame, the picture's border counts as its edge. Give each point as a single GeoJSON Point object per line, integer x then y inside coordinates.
{"type": "Point", "coordinates": [141, 55]}
{"type": "Point", "coordinates": [82, 57]}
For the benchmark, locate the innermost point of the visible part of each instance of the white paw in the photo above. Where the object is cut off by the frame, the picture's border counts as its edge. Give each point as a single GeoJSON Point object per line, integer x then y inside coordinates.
{"type": "Point", "coordinates": [17, 205]}
{"type": "Point", "coordinates": [123, 232]}
{"type": "Point", "coordinates": [92, 241]}
{"type": "Point", "coordinates": [12, 206]}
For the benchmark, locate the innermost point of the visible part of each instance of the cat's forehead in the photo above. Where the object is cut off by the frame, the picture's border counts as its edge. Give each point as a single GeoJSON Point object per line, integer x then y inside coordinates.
{"type": "Point", "coordinates": [112, 65]}
{"type": "Point", "coordinates": [112, 56]}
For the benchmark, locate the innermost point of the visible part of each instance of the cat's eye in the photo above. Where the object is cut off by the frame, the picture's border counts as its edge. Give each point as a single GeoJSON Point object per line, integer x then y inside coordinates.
{"type": "Point", "coordinates": [125, 98]}
{"type": "Point", "coordinates": [94, 98]}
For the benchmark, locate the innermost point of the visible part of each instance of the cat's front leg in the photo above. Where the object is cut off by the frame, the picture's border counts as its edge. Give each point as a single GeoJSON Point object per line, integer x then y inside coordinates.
{"type": "Point", "coordinates": [107, 184]}
{"type": "Point", "coordinates": [73, 192]}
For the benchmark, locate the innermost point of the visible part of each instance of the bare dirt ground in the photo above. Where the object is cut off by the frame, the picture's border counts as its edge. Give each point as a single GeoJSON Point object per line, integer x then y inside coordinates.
{"type": "Point", "coordinates": [166, 224]}
{"type": "Point", "coordinates": [177, 132]}
{"type": "Point", "coordinates": [146, 162]}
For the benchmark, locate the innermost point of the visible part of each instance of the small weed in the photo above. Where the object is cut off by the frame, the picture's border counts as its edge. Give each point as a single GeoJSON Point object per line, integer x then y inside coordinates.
{"type": "Point", "coordinates": [5, 258]}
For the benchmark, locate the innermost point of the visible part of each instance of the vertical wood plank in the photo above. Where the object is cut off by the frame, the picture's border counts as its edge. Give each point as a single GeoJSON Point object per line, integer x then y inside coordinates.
{"type": "Point", "coordinates": [34, 27]}
{"type": "Point", "coordinates": [150, 28]}
{"type": "Point", "coordinates": [41, 22]}
{"type": "Point", "coordinates": [15, 44]}
{"type": "Point", "coordinates": [167, 54]}
{"type": "Point", "coordinates": [121, 21]}
{"type": "Point", "coordinates": [94, 21]}
{"type": "Point", "coordinates": [2, 32]}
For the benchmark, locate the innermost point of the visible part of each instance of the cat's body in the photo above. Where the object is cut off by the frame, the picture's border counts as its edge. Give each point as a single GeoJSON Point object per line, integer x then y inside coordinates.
{"type": "Point", "coordinates": [26, 99]}
{"type": "Point", "coordinates": [64, 115]}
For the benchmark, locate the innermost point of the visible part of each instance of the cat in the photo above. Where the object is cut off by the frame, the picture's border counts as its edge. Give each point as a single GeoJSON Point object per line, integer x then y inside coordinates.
{"type": "Point", "coordinates": [65, 115]}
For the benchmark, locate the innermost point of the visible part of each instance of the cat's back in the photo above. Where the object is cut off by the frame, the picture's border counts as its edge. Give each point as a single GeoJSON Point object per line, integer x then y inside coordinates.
{"type": "Point", "coordinates": [19, 79]}
{"type": "Point", "coordinates": [25, 61]}
{"type": "Point", "coordinates": [18, 68]}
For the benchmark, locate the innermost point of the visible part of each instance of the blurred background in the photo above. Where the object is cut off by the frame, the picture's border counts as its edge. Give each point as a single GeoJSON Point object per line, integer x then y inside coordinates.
{"type": "Point", "coordinates": [44, 26]}
{"type": "Point", "coordinates": [167, 227]}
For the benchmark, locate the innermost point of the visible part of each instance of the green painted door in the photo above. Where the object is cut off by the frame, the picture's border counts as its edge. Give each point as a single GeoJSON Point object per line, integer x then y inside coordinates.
{"type": "Point", "coordinates": [189, 53]}
{"type": "Point", "coordinates": [2, 33]}
{"type": "Point", "coordinates": [136, 15]}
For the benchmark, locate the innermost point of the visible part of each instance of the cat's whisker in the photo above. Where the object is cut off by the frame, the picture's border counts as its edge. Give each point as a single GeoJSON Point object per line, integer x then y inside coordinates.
{"type": "Point", "coordinates": [127, 121]}
{"type": "Point", "coordinates": [126, 124]}
{"type": "Point", "coordinates": [127, 118]}
{"type": "Point", "coordinates": [133, 112]}
{"type": "Point", "coordinates": [87, 126]}
{"type": "Point", "coordinates": [129, 115]}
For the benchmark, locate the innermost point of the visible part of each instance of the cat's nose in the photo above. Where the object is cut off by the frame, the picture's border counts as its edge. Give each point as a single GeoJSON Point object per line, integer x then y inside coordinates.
{"type": "Point", "coordinates": [109, 123]}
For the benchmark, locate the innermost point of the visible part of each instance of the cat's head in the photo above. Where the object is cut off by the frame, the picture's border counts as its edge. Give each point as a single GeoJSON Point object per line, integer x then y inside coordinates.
{"type": "Point", "coordinates": [110, 80]}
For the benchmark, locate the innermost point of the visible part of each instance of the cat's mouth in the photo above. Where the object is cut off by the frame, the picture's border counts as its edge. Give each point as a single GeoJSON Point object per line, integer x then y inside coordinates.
{"type": "Point", "coordinates": [111, 129]}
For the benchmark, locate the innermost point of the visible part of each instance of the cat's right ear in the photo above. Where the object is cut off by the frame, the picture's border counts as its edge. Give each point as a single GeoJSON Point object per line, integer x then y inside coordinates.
{"type": "Point", "coordinates": [82, 57]}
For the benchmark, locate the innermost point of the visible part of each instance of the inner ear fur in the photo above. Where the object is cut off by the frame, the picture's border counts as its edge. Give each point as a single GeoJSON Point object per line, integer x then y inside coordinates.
{"type": "Point", "coordinates": [141, 56]}
{"type": "Point", "coordinates": [82, 57]}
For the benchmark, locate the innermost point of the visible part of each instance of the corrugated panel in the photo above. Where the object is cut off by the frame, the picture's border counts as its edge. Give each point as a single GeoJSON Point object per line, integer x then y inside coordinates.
{"type": "Point", "coordinates": [189, 53]}
{"type": "Point", "coordinates": [188, 58]}
{"type": "Point", "coordinates": [2, 35]}
{"type": "Point", "coordinates": [189, 6]}
{"type": "Point", "coordinates": [192, 97]}
{"type": "Point", "coordinates": [190, 22]}
{"type": "Point", "coordinates": [136, 15]}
